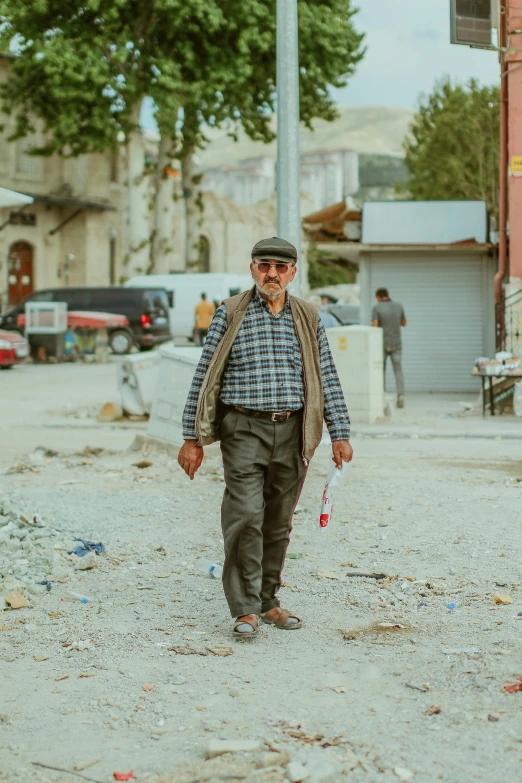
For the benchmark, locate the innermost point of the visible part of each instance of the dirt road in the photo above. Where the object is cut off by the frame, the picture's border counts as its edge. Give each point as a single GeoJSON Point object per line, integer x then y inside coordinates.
{"type": "Point", "coordinates": [346, 698]}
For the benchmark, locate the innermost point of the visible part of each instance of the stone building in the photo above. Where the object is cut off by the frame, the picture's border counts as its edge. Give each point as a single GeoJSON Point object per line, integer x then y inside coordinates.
{"type": "Point", "coordinates": [327, 176]}
{"type": "Point", "coordinates": [73, 233]}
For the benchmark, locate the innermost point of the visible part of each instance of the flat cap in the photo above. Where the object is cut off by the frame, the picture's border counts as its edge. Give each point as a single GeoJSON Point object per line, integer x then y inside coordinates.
{"type": "Point", "coordinates": [275, 249]}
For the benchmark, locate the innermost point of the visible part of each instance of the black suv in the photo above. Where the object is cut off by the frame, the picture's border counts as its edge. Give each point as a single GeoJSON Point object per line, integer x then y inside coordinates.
{"type": "Point", "coordinates": [147, 310]}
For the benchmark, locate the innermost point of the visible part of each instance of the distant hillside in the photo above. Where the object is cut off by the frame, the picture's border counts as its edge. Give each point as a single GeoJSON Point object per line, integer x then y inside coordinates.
{"type": "Point", "coordinates": [366, 129]}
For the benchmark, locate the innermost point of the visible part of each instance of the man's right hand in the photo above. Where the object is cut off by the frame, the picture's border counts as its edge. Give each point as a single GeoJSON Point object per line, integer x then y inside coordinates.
{"type": "Point", "coordinates": [190, 458]}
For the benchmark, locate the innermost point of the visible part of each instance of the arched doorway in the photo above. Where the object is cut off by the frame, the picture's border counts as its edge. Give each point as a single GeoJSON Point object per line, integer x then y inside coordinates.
{"type": "Point", "coordinates": [20, 272]}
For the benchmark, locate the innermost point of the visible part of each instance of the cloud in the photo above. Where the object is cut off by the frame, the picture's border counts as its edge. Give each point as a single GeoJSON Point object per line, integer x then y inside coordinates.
{"type": "Point", "coordinates": [408, 50]}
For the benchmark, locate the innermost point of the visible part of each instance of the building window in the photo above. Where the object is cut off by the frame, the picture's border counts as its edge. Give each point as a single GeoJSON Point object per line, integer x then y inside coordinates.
{"type": "Point", "coordinates": [29, 166]}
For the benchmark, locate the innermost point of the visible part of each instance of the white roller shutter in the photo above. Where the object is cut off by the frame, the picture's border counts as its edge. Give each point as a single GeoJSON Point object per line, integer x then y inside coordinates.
{"type": "Point", "coordinates": [444, 303]}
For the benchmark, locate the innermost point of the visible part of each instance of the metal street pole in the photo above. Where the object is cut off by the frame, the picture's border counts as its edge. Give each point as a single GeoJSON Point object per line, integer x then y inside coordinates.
{"type": "Point", "coordinates": [288, 158]}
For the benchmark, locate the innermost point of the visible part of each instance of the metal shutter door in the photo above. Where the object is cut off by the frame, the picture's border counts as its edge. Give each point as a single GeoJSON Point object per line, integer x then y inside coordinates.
{"type": "Point", "coordinates": [443, 302]}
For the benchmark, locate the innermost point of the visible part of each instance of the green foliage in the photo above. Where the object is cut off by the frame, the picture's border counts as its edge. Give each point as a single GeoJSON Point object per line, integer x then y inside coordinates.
{"type": "Point", "coordinates": [326, 269]}
{"type": "Point", "coordinates": [453, 149]}
{"type": "Point", "coordinates": [84, 67]}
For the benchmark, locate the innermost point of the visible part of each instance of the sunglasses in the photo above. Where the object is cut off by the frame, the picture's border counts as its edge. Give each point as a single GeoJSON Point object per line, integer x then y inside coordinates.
{"type": "Point", "coordinates": [280, 267]}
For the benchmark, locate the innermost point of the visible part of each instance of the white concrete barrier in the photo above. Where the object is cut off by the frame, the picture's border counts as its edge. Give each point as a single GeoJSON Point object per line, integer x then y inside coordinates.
{"type": "Point", "coordinates": [136, 376]}
{"type": "Point", "coordinates": [358, 356]}
{"type": "Point", "coordinates": [357, 352]}
{"type": "Point", "coordinates": [176, 368]}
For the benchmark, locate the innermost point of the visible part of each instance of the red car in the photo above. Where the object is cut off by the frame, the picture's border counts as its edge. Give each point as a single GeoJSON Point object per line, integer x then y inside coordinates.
{"type": "Point", "coordinates": [14, 349]}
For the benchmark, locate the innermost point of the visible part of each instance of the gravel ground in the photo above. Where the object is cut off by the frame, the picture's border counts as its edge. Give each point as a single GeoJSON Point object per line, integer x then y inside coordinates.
{"type": "Point", "coordinates": [349, 697]}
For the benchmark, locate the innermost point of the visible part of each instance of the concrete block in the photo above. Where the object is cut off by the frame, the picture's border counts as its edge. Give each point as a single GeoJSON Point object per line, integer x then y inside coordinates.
{"type": "Point", "coordinates": [358, 356]}
{"type": "Point", "coordinates": [219, 747]}
{"type": "Point", "coordinates": [176, 369]}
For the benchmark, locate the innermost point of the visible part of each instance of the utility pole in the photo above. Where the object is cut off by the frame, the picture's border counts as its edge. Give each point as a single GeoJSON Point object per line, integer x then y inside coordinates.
{"type": "Point", "coordinates": [288, 157]}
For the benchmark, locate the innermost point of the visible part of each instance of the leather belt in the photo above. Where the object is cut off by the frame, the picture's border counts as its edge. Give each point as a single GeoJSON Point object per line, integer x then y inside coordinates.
{"type": "Point", "coordinates": [275, 416]}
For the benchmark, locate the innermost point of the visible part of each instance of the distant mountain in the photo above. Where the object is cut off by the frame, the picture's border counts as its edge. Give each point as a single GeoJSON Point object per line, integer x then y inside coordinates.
{"type": "Point", "coordinates": [373, 130]}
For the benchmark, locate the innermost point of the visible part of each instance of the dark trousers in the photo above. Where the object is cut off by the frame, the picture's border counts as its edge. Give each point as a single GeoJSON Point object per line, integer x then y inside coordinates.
{"type": "Point", "coordinates": [395, 354]}
{"type": "Point", "coordinates": [202, 336]}
{"type": "Point", "coordinates": [264, 475]}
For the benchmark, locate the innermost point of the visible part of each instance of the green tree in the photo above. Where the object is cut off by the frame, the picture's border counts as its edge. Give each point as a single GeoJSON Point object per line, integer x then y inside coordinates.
{"type": "Point", "coordinates": [452, 151]}
{"type": "Point", "coordinates": [325, 269]}
{"type": "Point", "coordinates": [84, 68]}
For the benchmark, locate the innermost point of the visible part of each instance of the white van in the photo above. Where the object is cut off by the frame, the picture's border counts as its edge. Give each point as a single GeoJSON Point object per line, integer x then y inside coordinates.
{"type": "Point", "coordinates": [184, 292]}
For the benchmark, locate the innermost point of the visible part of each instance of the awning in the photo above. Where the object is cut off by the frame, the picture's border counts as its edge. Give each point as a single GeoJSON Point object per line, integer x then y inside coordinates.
{"type": "Point", "coordinates": [10, 198]}
{"type": "Point", "coordinates": [78, 205]}
{"type": "Point", "coordinates": [71, 201]}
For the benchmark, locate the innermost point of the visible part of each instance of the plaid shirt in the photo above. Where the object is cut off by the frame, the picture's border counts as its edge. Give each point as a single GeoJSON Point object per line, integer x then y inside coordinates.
{"type": "Point", "coordinates": [265, 368]}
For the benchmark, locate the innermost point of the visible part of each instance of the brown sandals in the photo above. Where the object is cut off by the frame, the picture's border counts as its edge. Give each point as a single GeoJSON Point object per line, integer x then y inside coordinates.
{"type": "Point", "coordinates": [241, 631]}
{"type": "Point", "coordinates": [283, 619]}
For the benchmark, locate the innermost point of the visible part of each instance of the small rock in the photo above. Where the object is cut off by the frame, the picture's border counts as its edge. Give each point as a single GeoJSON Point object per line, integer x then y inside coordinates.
{"type": "Point", "coordinates": [15, 600]}
{"type": "Point", "coordinates": [296, 772]}
{"type": "Point", "coordinates": [502, 599]}
{"type": "Point", "coordinates": [111, 411]}
{"type": "Point", "coordinates": [4, 718]}
{"type": "Point", "coordinates": [86, 563]}
{"type": "Point", "coordinates": [403, 773]}
{"type": "Point", "coordinates": [219, 747]}
{"type": "Point", "coordinates": [321, 770]}
{"type": "Point", "coordinates": [275, 759]}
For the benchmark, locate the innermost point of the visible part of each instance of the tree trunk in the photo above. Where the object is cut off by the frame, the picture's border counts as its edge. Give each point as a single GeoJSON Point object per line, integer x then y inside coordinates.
{"type": "Point", "coordinates": [161, 246]}
{"type": "Point", "coordinates": [139, 213]}
{"type": "Point", "coordinates": [193, 210]}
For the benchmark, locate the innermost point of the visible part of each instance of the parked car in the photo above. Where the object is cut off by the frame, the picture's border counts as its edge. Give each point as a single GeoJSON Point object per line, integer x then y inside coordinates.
{"type": "Point", "coordinates": [13, 349]}
{"type": "Point", "coordinates": [346, 314]}
{"type": "Point", "coordinates": [147, 310]}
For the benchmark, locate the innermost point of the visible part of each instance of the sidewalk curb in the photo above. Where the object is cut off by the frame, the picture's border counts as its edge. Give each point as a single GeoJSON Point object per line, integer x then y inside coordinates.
{"type": "Point", "coordinates": [441, 435]}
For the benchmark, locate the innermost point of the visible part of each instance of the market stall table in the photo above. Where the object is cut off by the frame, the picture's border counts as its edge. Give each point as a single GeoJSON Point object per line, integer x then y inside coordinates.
{"type": "Point", "coordinates": [90, 328]}
{"type": "Point", "coordinates": [502, 374]}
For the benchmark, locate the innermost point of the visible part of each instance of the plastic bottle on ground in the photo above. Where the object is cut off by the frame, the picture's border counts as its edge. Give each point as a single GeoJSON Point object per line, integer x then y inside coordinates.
{"type": "Point", "coordinates": [211, 569]}
{"type": "Point", "coordinates": [72, 596]}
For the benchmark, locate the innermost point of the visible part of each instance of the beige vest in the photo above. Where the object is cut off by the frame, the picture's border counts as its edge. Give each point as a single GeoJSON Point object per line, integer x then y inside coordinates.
{"type": "Point", "coordinates": [306, 319]}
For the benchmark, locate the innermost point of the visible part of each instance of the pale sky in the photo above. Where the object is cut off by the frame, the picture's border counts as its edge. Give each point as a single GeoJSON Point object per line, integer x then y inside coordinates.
{"type": "Point", "coordinates": [408, 49]}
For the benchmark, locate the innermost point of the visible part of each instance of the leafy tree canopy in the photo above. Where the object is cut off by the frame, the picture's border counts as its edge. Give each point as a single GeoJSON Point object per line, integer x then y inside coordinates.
{"type": "Point", "coordinates": [452, 151]}
{"type": "Point", "coordinates": [83, 68]}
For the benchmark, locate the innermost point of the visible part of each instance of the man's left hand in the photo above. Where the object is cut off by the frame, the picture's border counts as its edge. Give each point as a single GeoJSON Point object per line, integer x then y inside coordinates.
{"type": "Point", "coordinates": [342, 452]}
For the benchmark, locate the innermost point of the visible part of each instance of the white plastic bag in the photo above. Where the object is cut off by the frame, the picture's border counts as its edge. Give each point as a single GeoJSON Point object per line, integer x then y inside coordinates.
{"type": "Point", "coordinates": [333, 480]}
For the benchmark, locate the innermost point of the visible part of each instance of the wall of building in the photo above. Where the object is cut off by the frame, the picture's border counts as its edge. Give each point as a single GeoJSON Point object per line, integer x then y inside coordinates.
{"type": "Point", "coordinates": [94, 178]}
{"type": "Point", "coordinates": [327, 176]}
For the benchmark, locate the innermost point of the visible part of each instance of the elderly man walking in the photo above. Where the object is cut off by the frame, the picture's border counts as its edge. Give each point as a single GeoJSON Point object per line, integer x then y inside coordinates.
{"type": "Point", "coordinates": [265, 382]}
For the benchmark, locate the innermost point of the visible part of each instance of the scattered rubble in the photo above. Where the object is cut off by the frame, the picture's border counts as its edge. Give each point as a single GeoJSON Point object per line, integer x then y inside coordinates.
{"type": "Point", "coordinates": [27, 550]}
{"type": "Point", "coordinates": [111, 411]}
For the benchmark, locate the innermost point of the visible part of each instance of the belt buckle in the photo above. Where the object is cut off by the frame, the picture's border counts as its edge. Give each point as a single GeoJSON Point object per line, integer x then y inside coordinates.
{"type": "Point", "coordinates": [279, 416]}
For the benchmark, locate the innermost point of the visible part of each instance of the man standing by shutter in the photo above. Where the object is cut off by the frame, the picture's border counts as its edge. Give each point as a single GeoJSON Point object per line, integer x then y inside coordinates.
{"type": "Point", "coordinates": [265, 382]}
{"type": "Point", "coordinates": [389, 315]}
